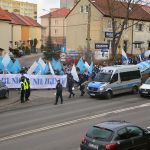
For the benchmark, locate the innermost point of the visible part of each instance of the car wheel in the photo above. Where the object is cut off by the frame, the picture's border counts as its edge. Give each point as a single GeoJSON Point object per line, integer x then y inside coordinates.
{"type": "Point", "coordinates": [108, 95]}
{"type": "Point", "coordinates": [135, 90]}
{"type": "Point", "coordinates": [6, 95]}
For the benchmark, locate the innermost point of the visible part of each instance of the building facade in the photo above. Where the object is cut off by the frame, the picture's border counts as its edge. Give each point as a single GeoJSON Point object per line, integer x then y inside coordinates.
{"type": "Point", "coordinates": [100, 30]}
{"type": "Point", "coordinates": [5, 30]}
{"type": "Point", "coordinates": [67, 3]}
{"type": "Point", "coordinates": [22, 8]}
{"type": "Point", "coordinates": [54, 26]}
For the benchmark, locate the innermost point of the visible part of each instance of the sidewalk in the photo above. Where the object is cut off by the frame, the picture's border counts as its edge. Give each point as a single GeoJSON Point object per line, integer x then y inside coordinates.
{"type": "Point", "coordinates": [38, 97]}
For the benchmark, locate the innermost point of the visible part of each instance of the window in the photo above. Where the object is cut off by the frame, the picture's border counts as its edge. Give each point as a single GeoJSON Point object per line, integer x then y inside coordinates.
{"type": "Point", "coordinates": [86, 9]}
{"type": "Point", "coordinates": [139, 27]}
{"type": "Point", "coordinates": [149, 28]}
{"type": "Point", "coordinates": [99, 133]}
{"type": "Point", "coordinates": [81, 9]}
{"type": "Point", "coordinates": [122, 134]}
{"type": "Point", "coordinates": [56, 22]}
{"type": "Point", "coordinates": [114, 78]}
{"type": "Point", "coordinates": [137, 45]}
{"type": "Point", "coordinates": [134, 131]}
{"type": "Point", "coordinates": [130, 75]}
{"type": "Point", "coordinates": [55, 31]}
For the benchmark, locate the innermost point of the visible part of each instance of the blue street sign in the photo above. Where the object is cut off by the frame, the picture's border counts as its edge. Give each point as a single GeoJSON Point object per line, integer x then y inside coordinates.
{"type": "Point", "coordinates": [110, 34]}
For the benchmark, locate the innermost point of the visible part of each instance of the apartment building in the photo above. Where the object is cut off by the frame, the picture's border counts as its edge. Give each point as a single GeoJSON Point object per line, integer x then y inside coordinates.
{"type": "Point", "coordinates": [22, 8]}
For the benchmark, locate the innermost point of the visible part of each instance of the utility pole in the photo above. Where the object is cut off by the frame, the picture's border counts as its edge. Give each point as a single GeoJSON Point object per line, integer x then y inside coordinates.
{"type": "Point", "coordinates": [88, 52]}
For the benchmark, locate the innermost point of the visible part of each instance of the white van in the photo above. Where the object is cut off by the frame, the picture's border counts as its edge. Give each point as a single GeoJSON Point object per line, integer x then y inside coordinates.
{"type": "Point", "coordinates": [112, 80]}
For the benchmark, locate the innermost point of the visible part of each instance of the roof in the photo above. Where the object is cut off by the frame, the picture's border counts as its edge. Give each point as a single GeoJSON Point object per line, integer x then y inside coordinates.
{"type": "Point", "coordinates": [4, 15]}
{"type": "Point", "coordinates": [62, 12]}
{"type": "Point", "coordinates": [113, 125]}
{"type": "Point", "coordinates": [120, 9]}
{"type": "Point", "coordinates": [146, 8]}
{"type": "Point", "coordinates": [32, 22]}
{"type": "Point", "coordinates": [23, 20]}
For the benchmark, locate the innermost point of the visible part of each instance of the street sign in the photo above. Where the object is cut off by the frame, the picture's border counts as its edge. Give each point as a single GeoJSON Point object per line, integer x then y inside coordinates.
{"type": "Point", "coordinates": [110, 35]}
{"type": "Point", "coordinates": [101, 46]}
{"type": "Point", "coordinates": [102, 51]}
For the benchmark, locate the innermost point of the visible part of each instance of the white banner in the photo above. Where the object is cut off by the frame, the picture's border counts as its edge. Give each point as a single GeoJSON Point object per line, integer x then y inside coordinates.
{"type": "Point", "coordinates": [36, 81]}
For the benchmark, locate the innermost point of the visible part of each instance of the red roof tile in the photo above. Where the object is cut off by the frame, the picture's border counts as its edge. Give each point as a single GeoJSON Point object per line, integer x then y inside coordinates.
{"type": "Point", "coordinates": [4, 15]}
{"type": "Point", "coordinates": [32, 22]}
{"type": "Point", "coordinates": [120, 9]}
{"type": "Point", "coordinates": [62, 12]}
{"type": "Point", "coordinates": [146, 8]}
{"type": "Point", "coordinates": [24, 20]}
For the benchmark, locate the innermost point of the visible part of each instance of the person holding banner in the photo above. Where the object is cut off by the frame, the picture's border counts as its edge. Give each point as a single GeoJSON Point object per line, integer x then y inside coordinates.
{"type": "Point", "coordinates": [59, 89]}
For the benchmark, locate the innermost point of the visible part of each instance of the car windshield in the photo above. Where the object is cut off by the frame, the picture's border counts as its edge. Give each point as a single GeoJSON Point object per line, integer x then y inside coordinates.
{"type": "Point", "coordinates": [103, 77]}
{"type": "Point", "coordinates": [147, 81]}
{"type": "Point", "coordinates": [99, 133]}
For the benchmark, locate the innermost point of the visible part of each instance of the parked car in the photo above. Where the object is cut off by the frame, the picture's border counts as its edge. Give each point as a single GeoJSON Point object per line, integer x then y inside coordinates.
{"type": "Point", "coordinates": [144, 89]}
{"type": "Point", "coordinates": [4, 91]}
{"type": "Point", "coordinates": [116, 135]}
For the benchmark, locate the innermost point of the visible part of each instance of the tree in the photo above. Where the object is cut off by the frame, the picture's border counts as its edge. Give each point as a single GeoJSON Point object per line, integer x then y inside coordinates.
{"type": "Point", "coordinates": [121, 12]}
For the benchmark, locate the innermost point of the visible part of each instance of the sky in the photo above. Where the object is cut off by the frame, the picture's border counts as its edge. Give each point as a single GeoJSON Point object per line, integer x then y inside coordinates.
{"type": "Point", "coordinates": [44, 4]}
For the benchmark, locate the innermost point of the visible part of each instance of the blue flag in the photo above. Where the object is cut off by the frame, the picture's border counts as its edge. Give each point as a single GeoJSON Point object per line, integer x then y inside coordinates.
{"type": "Point", "coordinates": [56, 65]}
{"type": "Point", "coordinates": [91, 69]}
{"type": "Point", "coordinates": [81, 65]}
{"type": "Point", "coordinates": [10, 65]}
{"type": "Point", "coordinates": [1, 64]}
{"type": "Point", "coordinates": [16, 67]}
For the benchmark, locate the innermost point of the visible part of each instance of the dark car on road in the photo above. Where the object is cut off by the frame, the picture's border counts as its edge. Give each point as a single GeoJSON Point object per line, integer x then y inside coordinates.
{"type": "Point", "coordinates": [4, 91]}
{"type": "Point", "coordinates": [116, 135]}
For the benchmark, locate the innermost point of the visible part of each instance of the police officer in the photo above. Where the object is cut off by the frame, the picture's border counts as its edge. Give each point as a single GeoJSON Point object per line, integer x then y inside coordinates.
{"type": "Point", "coordinates": [27, 89]}
{"type": "Point", "coordinates": [22, 90]}
{"type": "Point", "coordinates": [59, 92]}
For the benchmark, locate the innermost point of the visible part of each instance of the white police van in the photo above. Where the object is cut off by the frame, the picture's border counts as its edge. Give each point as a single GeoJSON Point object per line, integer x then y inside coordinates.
{"type": "Point", "coordinates": [112, 80]}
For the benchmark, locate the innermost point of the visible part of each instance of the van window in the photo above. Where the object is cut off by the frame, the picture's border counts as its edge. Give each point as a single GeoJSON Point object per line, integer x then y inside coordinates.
{"type": "Point", "coordinates": [103, 77]}
{"type": "Point", "coordinates": [114, 78]}
{"type": "Point", "coordinates": [130, 75]}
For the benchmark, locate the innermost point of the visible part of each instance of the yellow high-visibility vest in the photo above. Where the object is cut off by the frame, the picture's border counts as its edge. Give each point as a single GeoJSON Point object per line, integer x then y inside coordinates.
{"type": "Point", "coordinates": [21, 85]}
{"type": "Point", "coordinates": [26, 84]}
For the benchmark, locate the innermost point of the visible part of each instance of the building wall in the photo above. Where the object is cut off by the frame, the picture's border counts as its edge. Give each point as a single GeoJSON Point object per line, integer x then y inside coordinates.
{"type": "Point", "coordinates": [22, 8]}
{"type": "Point", "coordinates": [76, 34]}
{"type": "Point", "coordinates": [25, 34]}
{"type": "Point", "coordinates": [16, 37]}
{"type": "Point", "coordinates": [58, 27]}
{"type": "Point", "coordinates": [5, 35]}
{"type": "Point", "coordinates": [38, 36]}
{"type": "Point", "coordinates": [143, 37]}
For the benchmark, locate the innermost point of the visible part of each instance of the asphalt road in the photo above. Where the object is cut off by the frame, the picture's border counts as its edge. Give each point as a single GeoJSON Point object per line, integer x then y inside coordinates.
{"type": "Point", "coordinates": [61, 127]}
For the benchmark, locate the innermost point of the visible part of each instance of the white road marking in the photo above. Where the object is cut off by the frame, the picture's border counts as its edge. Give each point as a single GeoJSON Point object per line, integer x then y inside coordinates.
{"type": "Point", "coordinates": [72, 122]}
